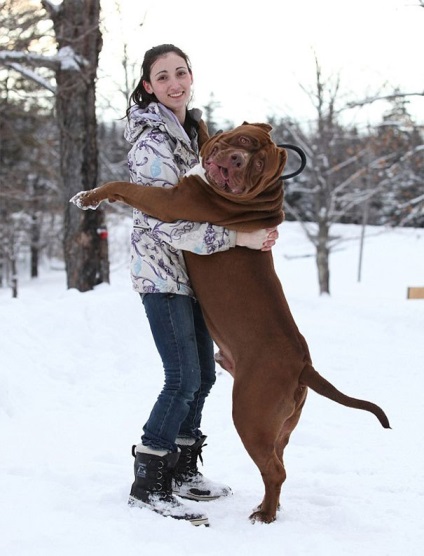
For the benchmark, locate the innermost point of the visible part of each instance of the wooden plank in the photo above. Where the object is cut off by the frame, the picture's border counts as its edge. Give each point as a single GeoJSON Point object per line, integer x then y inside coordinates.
{"type": "Point", "coordinates": [415, 293]}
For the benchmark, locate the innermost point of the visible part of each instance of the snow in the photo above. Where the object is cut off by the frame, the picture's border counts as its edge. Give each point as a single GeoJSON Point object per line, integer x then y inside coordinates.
{"type": "Point", "coordinates": [79, 373]}
{"type": "Point", "coordinates": [69, 60]}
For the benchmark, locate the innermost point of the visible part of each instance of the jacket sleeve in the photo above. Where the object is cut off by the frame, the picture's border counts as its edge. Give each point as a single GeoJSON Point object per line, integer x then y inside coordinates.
{"type": "Point", "coordinates": [152, 163]}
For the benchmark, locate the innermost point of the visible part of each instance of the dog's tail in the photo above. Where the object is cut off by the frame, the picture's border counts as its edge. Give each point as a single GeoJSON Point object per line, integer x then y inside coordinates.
{"type": "Point", "coordinates": [311, 378]}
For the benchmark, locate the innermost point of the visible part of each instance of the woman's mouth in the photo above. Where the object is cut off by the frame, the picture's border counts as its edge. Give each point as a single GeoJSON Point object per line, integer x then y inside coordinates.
{"type": "Point", "coordinates": [176, 95]}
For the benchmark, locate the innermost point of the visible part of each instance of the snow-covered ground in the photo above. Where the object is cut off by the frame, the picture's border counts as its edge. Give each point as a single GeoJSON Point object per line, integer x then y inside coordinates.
{"type": "Point", "coordinates": [79, 374]}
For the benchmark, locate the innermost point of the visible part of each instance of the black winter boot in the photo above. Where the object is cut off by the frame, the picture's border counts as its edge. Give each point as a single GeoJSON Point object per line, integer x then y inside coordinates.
{"type": "Point", "coordinates": [152, 487]}
{"type": "Point", "coordinates": [188, 482]}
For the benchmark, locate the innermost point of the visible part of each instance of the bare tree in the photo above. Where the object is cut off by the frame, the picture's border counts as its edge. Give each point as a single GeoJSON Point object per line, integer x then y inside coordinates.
{"type": "Point", "coordinates": [26, 168]}
{"type": "Point", "coordinates": [74, 67]}
{"type": "Point", "coordinates": [337, 176]}
{"type": "Point", "coordinates": [126, 74]}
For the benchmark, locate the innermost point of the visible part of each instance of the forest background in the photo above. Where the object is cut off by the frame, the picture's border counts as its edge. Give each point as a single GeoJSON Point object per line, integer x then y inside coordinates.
{"type": "Point", "coordinates": [57, 138]}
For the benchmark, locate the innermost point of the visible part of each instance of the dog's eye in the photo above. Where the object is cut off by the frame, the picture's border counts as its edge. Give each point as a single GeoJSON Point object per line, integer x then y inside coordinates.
{"type": "Point", "coordinates": [244, 140]}
{"type": "Point", "coordinates": [259, 164]}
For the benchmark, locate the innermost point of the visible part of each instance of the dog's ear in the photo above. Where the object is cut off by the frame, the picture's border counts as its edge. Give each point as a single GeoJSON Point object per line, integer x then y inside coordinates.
{"type": "Point", "coordinates": [283, 160]}
{"type": "Point", "coordinates": [203, 133]}
{"type": "Point", "coordinates": [265, 127]}
{"type": "Point", "coordinates": [208, 145]}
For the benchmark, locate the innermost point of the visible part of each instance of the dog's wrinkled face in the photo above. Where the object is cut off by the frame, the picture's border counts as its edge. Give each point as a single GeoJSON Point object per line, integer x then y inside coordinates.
{"type": "Point", "coordinates": [243, 161]}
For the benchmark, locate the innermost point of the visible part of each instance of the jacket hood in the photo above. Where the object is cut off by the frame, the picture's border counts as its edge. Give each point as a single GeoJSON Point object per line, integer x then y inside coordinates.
{"type": "Point", "coordinates": [156, 115]}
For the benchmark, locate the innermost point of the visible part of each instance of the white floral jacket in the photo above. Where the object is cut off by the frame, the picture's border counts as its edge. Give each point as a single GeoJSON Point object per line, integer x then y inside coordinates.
{"type": "Point", "coordinates": [161, 154]}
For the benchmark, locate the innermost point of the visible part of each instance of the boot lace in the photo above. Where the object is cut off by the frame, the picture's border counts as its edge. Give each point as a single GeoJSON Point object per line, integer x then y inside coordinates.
{"type": "Point", "coordinates": [187, 464]}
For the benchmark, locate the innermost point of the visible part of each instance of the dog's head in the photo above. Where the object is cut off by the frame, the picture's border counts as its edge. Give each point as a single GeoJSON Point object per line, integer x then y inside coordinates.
{"type": "Point", "coordinates": [243, 162]}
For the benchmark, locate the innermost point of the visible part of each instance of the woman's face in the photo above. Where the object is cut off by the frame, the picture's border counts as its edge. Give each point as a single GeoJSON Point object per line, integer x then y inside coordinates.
{"type": "Point", "coordinates": [170, 82]}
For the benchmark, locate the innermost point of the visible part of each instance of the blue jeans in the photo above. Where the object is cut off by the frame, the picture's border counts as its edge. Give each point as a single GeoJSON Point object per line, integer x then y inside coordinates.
{"type": "Point", "coordinates": [187, 353]}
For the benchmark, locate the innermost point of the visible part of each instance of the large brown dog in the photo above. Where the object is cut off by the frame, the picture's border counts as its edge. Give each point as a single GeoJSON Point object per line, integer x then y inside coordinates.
{"type": "Point", "coordinates": [240, 293]}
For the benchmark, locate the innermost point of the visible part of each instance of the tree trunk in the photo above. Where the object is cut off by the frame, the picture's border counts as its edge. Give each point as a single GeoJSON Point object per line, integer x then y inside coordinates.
{"type": "Point", "coordinates": [34, 195]}
{"type": "Point", "coordinates": [14, 277]}
{"type": "Point", "coordinates": [76, 24]}
{"type": "Point", "coordinates": [322, 258]}
{"type": "Point", "coordinates": [35, 245]}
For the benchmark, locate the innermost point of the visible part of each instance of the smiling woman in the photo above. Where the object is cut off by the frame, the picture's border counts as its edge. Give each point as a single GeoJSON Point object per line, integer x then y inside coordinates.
{"type": "Point", "coordinates": [165, 136]}
{"type": "Point", "coordinates": [170, 82]}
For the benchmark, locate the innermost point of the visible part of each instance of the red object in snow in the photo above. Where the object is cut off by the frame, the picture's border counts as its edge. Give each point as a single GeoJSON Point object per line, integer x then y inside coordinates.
{"type": "Point", "coordinates": [102, 233]}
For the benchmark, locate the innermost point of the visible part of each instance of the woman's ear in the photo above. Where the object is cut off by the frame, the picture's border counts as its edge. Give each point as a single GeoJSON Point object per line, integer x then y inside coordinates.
{"type": "Point", "coordinates": [147, 87]}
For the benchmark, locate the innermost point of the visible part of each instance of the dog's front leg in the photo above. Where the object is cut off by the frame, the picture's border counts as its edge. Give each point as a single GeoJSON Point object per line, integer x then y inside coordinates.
{"type": "Point", "coordinates": [112, 191]}
{"type": "Point", "coordinates": [89, 199]}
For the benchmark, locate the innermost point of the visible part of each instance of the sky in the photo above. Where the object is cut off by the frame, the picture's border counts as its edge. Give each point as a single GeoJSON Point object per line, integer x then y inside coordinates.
{"type": "Point", "coordinates": [79, 373]}
{"type": "Point", "coordinates": [258, 57]}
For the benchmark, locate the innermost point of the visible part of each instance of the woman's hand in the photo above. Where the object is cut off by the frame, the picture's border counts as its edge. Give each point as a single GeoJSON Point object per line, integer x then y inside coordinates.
{"type": "Point", "coordinates": [261, 239]}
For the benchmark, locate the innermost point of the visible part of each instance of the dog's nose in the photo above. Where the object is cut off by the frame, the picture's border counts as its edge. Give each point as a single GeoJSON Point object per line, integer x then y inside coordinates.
{"type": "Point", "coordinates": [237, 159]}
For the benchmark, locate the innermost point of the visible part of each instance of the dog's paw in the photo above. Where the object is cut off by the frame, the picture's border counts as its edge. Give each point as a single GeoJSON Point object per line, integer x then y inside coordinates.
{"type": "Point", "coordinates": [261, 517]}
{"type": "Point", "coordinates": [84, 200]}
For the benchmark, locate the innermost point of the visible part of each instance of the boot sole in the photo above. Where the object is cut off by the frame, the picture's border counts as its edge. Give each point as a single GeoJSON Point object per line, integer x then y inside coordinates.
{"type": "Point", "coordinates": [195, 497]}
{"type": "Point", "coordinates": [196, 521]}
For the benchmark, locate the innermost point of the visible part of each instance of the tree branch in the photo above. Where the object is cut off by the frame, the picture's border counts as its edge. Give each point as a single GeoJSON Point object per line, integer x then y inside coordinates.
{"type": "Point", "coordinates": [66, 60]}
{"type": "Point", "coordinates": [370, 100]}
{"type": "Point", "coordinates": [29, 74]}
{"type": "Point", "coordinates": [34, 60]}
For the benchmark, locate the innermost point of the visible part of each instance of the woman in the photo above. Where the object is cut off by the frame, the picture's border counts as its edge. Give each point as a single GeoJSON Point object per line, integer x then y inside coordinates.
{"type": "Point", "coordinates": [166, 138]}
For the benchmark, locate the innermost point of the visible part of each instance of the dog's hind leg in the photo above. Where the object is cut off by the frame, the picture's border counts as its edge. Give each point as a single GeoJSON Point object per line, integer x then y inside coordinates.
{"type": "Point", "coordinates": [290, 424]}
{"type": "Point", "coordinates": [265, 430]}
{"type": "Point", "coordinates": [287, 428]}
{"type": "Point", "coordinates": [259, 425]}
{"type": "Point", "coordinates": [273, 475]}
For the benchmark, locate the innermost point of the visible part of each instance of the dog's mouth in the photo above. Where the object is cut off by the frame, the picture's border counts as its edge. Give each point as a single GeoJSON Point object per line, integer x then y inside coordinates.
{"type": "Point", "coordinates": [220, 177]}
